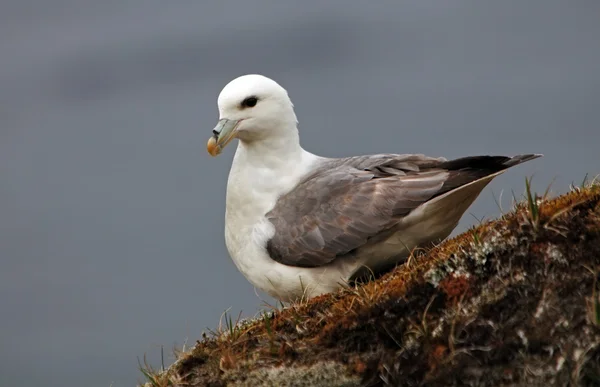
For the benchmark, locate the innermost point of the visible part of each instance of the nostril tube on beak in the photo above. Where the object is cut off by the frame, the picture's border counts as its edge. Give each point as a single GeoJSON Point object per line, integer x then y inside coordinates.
{"type": "Point", "coordinates": [215, 133]}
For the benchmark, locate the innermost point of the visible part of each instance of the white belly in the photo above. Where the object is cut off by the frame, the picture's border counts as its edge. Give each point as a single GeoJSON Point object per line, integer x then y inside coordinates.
{"type": "Point", "coordinates": [286, 283]}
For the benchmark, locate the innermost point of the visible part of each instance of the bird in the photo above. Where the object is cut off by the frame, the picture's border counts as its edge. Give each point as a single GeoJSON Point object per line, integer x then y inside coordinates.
{"type": "Point", "coordinates": [299, 225]}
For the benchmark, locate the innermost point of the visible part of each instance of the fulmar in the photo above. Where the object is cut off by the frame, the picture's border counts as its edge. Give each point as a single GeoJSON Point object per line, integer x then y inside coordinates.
{"type": "Point", "coordinates": [298, 225]}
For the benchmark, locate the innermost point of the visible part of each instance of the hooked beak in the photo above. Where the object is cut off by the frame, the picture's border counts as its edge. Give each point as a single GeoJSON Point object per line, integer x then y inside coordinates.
{"type": "Point", "coordinates": [223, 133]}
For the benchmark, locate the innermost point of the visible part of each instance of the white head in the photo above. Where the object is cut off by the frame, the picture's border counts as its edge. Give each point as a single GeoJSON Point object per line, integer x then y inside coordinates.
{"type": "Point", "coordinates": [253, 108]}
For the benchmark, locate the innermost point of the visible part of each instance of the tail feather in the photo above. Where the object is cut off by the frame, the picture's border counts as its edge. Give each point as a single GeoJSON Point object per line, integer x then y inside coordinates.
{"type": "Point", "coordinates": [519, 159]}
{"type": "Point", "coordinates": [487, 163]}
{"type": "Point", "coordinates": [470, 169]}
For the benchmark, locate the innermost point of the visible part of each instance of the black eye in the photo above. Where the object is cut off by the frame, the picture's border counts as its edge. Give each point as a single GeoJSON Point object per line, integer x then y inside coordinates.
{"type": "Point", "coordinates": [249, 102]}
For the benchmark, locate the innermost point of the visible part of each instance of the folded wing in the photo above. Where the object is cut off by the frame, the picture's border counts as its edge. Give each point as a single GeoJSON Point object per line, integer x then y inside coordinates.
{"type": "Point", "coordinates": [345, 202]}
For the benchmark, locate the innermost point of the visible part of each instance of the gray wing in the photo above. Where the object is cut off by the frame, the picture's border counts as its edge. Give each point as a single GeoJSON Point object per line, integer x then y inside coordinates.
{"type": "Point", "coordinates": [345, 202]}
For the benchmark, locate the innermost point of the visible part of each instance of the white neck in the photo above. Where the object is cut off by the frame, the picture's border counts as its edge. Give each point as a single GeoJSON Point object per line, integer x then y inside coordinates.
{"type": "Point", "coordinates": [262, 171]}
{"type": "Point", "coordinates": [271, 151]}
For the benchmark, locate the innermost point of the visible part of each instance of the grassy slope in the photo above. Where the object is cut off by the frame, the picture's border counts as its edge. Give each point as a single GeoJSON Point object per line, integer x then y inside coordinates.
{"type": "Point", "coordinates": [510, 302]}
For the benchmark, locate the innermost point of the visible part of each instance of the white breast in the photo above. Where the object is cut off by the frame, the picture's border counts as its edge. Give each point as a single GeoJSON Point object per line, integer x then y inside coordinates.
{"type": "Point", "coordinates": [252, 190]}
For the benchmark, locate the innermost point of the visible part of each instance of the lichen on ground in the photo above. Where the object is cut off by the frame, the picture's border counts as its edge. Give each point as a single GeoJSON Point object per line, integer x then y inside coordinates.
{"type": "Point", "coordinates": [512, 302]}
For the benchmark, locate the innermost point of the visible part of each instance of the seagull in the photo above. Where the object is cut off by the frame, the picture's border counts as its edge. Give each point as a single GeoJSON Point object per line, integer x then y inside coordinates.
{"type": "Point", "coordinates": [299, 225]}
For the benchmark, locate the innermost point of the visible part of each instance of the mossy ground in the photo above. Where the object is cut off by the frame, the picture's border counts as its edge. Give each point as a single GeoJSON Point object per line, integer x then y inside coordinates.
{"type": "Point", "coordinates": [510, 302]}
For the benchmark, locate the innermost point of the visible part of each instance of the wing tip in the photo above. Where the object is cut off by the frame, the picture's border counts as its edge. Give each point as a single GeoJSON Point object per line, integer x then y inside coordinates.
{"type": "Point", "coordinates": [519, 159]}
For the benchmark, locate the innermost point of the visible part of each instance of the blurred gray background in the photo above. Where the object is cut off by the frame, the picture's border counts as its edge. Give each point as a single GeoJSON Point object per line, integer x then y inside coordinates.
{"type": "Point", "coordinates": [111, 226]}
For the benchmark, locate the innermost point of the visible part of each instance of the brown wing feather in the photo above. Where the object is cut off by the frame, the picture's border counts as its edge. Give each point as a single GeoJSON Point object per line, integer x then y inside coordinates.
{"type": "Point", "coordinates": [347, 201]}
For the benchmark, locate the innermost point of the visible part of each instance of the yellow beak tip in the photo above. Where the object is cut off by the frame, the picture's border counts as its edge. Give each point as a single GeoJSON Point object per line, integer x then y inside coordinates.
{"type": "Point", "coordinates": [212, 147]}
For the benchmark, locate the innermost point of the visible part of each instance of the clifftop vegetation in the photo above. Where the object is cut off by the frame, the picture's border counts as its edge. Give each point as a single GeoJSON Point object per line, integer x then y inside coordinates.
{"type": "Point", "coordinates": [511, 302]}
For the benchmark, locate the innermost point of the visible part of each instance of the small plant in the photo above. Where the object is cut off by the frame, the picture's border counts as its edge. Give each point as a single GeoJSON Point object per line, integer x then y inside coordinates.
{"type": "Point", "coordinates": [498, 202]}
{"type": "Point", "coordinates": [232, 331]}
{"type": "Point", "coordinates": [270, 329]}
{"type": "Point", "coordinates": [228, 336]}
{"type": "Point", "coordinates": [153, 376]}
{"type": "Point", "coordinates": [476, 237]}
{"type": "Point", "coordinates": [532, 205]}
{"type": "Point", "coordinates": [268, 320]}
